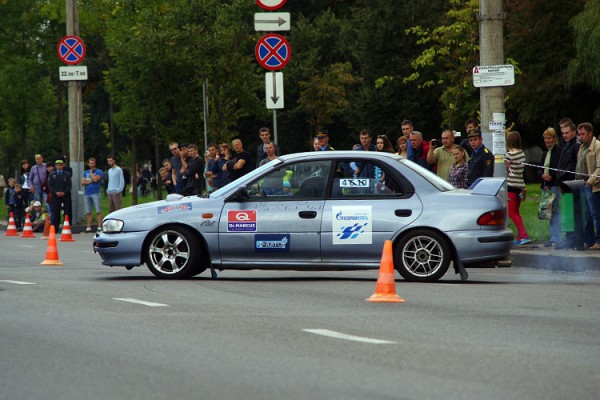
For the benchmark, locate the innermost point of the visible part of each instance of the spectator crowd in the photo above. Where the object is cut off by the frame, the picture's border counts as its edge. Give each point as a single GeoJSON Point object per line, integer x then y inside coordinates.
{"type": "Point", "coordinates": [45, 187]}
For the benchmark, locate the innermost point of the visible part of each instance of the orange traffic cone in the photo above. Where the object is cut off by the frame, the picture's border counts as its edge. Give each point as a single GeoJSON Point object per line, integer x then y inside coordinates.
{"type": "Point", "coordinates": [46, 228]}
{"type": "Point", "coordinates": [385, 289]}
{"type": "Point", "coordinates": [11, 230]}
{"type": "Point", "coordinates": [66, 235]}
{"type": "Point", "coordinates": [52, 250]}
{"type": "Point", "coordinates": [27, 230]}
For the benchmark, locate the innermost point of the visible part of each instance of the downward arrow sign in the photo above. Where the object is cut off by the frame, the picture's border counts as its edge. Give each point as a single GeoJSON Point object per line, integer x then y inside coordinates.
{"type": "Point", "coordinates": [274, 97]}
{"type": "Point", "coordinates": [274, 90]}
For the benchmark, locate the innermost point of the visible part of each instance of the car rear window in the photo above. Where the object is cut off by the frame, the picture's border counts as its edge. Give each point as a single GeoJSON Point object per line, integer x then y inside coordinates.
{"type": "Point", "coordinates": [432, 178]}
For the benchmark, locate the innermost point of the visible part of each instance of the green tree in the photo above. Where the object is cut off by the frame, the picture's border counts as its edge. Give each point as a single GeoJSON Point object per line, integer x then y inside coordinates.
{"type": "Point", "coordinates": [450, 51]}
{"type": "Point", "coordinates": [540, 41]}
{"type": "Point", "coordinates": [585, 67]}
{"type": "Point", "coordinates": [27, 99]}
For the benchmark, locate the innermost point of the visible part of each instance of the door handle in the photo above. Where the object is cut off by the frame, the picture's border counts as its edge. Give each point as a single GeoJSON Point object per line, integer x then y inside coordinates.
{"type": "Point", "coordinates": [403, 213]}
{"type": "Point", "coordinates": [307, 214]}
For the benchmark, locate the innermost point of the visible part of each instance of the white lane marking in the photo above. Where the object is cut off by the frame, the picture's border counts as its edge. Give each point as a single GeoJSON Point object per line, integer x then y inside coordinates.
{"type": "Point", "coordinates": [18, 282]}
{"type": "Point", "coordinates": [142, 302]}
{"type": "Point", "coordinates": [339, 335]}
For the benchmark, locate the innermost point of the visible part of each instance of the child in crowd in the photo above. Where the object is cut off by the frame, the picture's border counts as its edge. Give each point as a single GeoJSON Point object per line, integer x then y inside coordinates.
{"type": "Point", "coordinates": [15, 201]}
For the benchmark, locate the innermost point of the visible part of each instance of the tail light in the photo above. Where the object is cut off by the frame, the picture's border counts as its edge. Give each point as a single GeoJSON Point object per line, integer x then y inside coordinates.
{"type": "Point", "coordinates": [493, 218]}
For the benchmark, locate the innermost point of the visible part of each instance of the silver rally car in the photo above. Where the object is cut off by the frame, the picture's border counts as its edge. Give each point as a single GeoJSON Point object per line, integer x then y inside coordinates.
{"type": "Point", "coordinates": [309, 211]}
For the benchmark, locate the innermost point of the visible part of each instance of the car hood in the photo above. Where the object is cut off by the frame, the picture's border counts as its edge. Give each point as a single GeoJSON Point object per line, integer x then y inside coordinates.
{"type": "Point", "coordinates": [145, 216]}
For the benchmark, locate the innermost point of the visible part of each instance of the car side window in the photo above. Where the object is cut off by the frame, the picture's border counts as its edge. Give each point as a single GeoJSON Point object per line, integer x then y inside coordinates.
{"type": "Point", "coordinates": [377, 182]}
{"type": "Point", "coordinates": [303, 180]}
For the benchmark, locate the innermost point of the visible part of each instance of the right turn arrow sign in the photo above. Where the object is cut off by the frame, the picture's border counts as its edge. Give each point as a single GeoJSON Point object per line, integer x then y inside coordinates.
{"type": "Point", "coordinates": [274, 21]}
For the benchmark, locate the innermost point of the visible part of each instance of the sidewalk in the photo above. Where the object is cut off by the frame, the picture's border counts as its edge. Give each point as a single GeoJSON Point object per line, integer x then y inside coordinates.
{"type": "Point", "coordinates": [538, 256]}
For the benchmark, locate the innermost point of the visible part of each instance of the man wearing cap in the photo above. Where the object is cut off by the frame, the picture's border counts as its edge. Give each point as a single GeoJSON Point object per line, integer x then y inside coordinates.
{"type": "Point", "coordinates": [481, 163]}
{"type": "Point", "coordinates": [37, 216]}
{"type": "Point", "coordinates": [59, 185]}
{"type": "Point", "coordinates": [37, 179]}
{"type": "Point", "coordinates": [323, 138]}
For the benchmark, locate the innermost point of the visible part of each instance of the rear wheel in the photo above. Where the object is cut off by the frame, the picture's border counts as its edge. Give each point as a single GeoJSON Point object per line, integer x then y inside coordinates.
{"type": "Point", "coordinates": [174, 253]}
{"type": "Point", "coordinates": [422, 256]}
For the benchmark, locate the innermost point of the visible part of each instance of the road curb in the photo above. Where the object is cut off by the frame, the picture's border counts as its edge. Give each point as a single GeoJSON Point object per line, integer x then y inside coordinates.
{"type": "Point", "coordinates": [536, 256]}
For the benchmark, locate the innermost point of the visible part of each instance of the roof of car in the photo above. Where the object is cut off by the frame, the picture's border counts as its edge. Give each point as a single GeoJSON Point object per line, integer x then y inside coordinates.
{"type": "Point", "coordinates": [337, 154]}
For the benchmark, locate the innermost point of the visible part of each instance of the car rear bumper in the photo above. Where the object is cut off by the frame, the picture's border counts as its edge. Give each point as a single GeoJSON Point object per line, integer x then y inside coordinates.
{"type": "Point", "coordinates": [476, 246]}
{"type": "Point", "coordinates": [120, 248]}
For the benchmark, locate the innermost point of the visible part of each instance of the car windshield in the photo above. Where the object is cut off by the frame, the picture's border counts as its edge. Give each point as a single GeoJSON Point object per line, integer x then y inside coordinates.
{"type": "Point", "coordinates": [435, 180]}
{"type": "Point", "coordinates": [258, 171]}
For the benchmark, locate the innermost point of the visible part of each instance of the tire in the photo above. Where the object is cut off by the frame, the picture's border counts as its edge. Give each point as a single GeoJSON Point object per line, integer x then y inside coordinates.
{"type": "Point", "coordinates": [174, 253]}
{"type": "Point", "coordinates": [422, 256]}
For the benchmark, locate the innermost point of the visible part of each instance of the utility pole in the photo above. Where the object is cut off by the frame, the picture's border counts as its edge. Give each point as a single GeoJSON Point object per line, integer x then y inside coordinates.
{"type": "Point", "coordinates": [491, 45]}
{"type": "Point", "coordinates": [75, 122]}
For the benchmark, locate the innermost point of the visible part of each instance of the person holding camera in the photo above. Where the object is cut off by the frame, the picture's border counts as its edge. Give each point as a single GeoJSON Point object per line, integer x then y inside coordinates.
{"type": "Point", "coordinates": [440, 154]}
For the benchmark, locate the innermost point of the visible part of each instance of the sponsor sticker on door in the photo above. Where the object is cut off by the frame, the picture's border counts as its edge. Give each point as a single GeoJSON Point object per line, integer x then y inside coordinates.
{"type": "Point", "coordinates": [241, 221]}
{"type": "Point", "coordinates": [352, 225]}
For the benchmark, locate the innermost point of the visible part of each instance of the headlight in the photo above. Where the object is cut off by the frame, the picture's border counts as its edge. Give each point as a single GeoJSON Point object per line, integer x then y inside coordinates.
{"type": "Point", "coordinates": [112, 225]}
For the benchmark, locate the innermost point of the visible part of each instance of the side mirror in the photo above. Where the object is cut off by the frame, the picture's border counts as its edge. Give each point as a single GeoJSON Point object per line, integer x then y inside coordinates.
{"type": "Point", "coordinates": [240, 195]}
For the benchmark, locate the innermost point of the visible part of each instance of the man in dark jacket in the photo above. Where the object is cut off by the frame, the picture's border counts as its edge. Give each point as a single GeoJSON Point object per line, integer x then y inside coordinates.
{"type": "Point", "coordinates": [481, 163]}
{"type": "Point", "coordinates": [59, 185]}
{"type": "Point", "coordinates": [567, 162]}
{"type": "Point", "coordinates": [194, 172]}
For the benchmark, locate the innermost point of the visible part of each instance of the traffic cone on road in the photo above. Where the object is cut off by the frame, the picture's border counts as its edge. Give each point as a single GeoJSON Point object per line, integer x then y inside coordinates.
{"type": "Point", "coordinates": [27, 230]}
{"type": "Point", "coordinates": [385, 289]}
{"type": "Point", "coordinates": [52, 250]}
{"type": "Point", "coordinates": [11, 230]}
{"type": "Point", "coordinates": [46, 228]}
{"type": "Point", "coordinates": [66, 235]}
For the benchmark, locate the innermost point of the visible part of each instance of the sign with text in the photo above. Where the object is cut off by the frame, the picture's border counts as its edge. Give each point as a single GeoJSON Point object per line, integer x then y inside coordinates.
{"type": "Point", "coordinates": [73, 73]}
{"type": "Point", "coordinates": [493, 75]}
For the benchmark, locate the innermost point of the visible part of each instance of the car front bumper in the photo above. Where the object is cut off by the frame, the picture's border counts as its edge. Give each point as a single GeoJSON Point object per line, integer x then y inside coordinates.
{"type": "Point", "coordinates": [124, 249]}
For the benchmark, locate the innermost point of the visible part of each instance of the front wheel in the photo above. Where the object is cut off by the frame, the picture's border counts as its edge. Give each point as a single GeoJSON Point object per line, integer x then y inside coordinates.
{"type": "Point", "coordinates": [174, 253]}
{"type": "Point", "coordinates": [422, 256]}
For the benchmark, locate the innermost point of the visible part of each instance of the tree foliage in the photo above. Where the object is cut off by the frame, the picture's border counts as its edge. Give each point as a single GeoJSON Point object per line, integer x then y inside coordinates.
{"type": "Point", "coordinates": [355, 64]}
{"type": "Point", "coordinates": [585, 67]}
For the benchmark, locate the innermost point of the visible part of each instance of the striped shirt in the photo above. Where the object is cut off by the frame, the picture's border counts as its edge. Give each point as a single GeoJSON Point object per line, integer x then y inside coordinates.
{"type": "Point", "coordinates": [515, 168]}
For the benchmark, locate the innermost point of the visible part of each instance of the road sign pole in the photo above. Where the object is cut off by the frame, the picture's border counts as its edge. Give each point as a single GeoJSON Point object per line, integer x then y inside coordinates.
{"type": "Point", "coordinates": [75, 123]}
{"type": "Point", "coordinates": [205, 110]}
{"type": "Point", "coordinates": [275, 126]}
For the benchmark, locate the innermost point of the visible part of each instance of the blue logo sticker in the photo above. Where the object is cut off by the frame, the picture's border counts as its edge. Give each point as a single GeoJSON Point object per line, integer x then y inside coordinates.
{"type": "Point", "coordinates": [352, 232]}
{"type": "Point", "coordinates": [271, 243]}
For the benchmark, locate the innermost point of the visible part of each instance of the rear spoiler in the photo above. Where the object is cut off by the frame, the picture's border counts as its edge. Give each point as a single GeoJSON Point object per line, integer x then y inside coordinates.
{"type": "Point", "coordinates": [487, 186]}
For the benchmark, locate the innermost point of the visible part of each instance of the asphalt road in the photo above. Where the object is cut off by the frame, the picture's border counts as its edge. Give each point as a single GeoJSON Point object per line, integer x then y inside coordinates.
{"type": "Point", "coordinates": [86, 331]}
